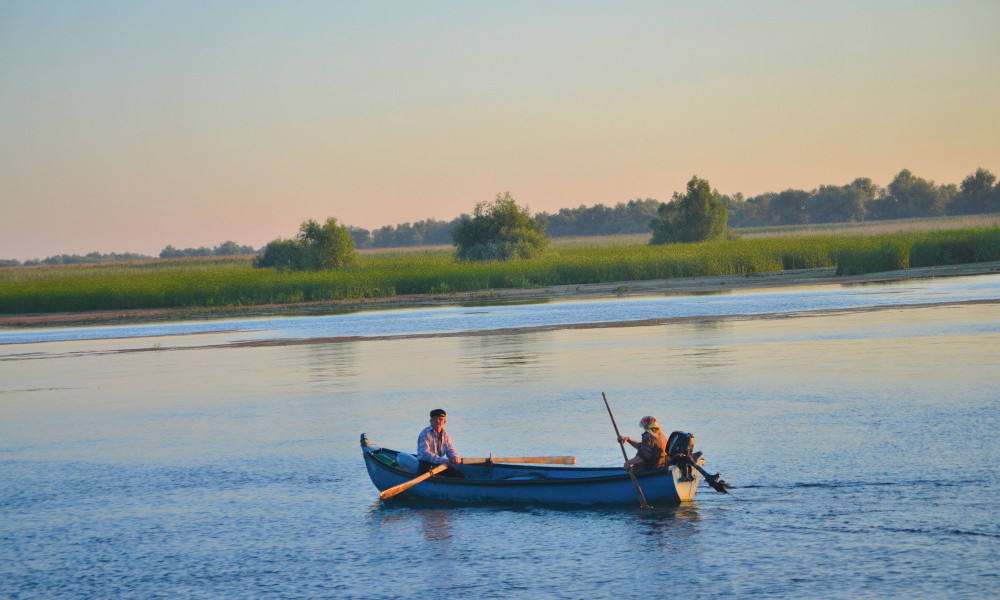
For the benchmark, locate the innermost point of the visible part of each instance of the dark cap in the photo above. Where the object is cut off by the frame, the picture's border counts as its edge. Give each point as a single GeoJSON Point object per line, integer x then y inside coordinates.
{"type": "Point", "coordinates": [438, 412]}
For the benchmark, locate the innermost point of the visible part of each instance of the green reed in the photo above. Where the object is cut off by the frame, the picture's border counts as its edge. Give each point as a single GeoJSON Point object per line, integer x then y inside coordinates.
{"type": "Point", "coordinates": [233, 282]}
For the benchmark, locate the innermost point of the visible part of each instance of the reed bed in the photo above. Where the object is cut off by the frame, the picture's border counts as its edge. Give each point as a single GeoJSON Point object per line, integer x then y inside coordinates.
{"type": "Point", "coordinates": [233, 282]}
{"type": "Point", "coordinates": [872, 227]}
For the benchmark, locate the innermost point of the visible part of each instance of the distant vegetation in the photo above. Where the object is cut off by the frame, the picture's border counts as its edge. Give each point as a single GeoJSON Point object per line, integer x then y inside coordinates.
{"type": "Point", "coordinates": [233, 282]}
{"type": "Point", "coordinates": [224, 249]}
{"type": "Point", "coordinates": [499, 230]}
{"type": "Point", "coordinates": [906, 197]}
{"type": "Point", "coordinates": [77, 259]}
{"type": "Point", "coordinates": [697, 216]}
{"type": "Point", "coordinates": [316, 248]}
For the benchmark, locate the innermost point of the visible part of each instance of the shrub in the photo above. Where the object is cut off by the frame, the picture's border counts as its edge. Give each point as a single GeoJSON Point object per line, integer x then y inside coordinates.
{"type": "Point", "coordinates": [697, 216]}
{"type": "Point", "coordinates": [317, 248]}
{"type": "Point", "coordinates": [499, 230]}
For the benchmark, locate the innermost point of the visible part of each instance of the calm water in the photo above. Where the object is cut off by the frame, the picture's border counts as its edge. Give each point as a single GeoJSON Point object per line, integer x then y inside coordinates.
{"type": "Point", "coordinates": [182, 462]}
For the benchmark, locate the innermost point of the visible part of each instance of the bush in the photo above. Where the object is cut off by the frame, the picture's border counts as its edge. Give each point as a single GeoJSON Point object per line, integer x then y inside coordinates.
{"type": "Point", "coordinates": [499, 230]}
{"type": "Point", "coordinates": [697, 216]}
{"type": "Point", "coordinates": [317, 248]}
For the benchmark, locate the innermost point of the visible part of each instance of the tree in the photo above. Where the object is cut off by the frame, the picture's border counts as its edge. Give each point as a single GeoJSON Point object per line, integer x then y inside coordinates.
{"type": "Point", "coordinates": [699, 215]}
{"type": "Point", "coordinates": [789, 208]}
{"type": "Point", "coordinates": [362, 237]}
{"type": "Point", "coordinates": [977, 195]}
{"type": "Point", "coordinates": [910, 196]}
{"type": "Point", "coordinates": [328, 246]}
{"type": "Point", "coordinates": [228, 248]}
{"type": "Point", "coordinates": [283, 255]}
{"type": "Point", "coordinates": [837, 204]}
{"type": "Point", "coordinates": [979, 182]}
{"type": "Point", "coordinates": [749, 212]}
{"type": "Point", "coordinates": [317, 247]}
{"type": "Point", "coordinates": [499, 230]}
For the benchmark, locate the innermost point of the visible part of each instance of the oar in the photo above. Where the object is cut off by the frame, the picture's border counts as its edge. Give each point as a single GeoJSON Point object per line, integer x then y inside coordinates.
{"type": "Point", "coordinates": [638, 490]}
{"type": "Point", "coordinates": [548, 460]}
{"type": "Point", "coordinates": [397, 489]}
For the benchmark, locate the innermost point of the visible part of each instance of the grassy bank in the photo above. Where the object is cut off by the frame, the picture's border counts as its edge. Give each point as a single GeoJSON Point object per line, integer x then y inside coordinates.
{"type": "Point", "coordinates": [232, 282]}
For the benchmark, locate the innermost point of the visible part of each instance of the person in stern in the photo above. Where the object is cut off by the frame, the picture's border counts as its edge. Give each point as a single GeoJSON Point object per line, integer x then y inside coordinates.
{"type": "Point", "coordinates": [652, 448]}
{"type": "Point", "coordinates": [434, 447]}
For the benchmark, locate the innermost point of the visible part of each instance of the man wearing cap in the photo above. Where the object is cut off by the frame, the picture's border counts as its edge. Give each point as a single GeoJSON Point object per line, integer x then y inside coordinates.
{"type": "Point", "coordinates": [434, 447]}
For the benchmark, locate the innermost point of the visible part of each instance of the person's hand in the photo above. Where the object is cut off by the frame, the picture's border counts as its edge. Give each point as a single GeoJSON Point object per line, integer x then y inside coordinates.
{"type": "Point", "coordinates": [623, 439]}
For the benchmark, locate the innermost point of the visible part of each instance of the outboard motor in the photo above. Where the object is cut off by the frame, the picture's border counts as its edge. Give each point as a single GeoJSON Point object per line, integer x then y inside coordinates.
{"type": "Point", "coordinates": [680, 445]}
{"type": "Point", "coordinates": [680, 442]}
{"type": "Point", "coordinates": [680, 452]}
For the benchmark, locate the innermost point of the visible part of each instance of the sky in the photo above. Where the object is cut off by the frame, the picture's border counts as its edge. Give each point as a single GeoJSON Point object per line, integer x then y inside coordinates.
{"type": "Point", "coordinates": [127, 126]}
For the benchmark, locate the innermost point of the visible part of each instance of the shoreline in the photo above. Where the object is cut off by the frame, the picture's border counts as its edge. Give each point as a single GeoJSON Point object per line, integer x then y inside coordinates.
{"type": "Point", "coordinates": [678, 286]}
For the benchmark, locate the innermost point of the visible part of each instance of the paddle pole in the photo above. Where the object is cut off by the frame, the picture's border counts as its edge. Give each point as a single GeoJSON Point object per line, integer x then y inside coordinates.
{"type": "Point", "coordinates": [549, 460]}
{"type": "Point", "coordinates": [628, 468]}
{"type": "Point", "coordinates": [389, 493]}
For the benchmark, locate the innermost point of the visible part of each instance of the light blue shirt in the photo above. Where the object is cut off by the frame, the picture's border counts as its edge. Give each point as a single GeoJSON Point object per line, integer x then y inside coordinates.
{"type": "Point", "coordinates": [434, 448]}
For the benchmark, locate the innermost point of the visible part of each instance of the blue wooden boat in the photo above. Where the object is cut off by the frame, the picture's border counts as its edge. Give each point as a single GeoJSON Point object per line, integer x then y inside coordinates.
{"type": "Point", "coordinates": [495, 483]}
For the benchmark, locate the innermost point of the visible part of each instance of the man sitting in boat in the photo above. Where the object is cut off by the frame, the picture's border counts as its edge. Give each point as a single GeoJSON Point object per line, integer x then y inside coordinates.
{"type": "Point", "coordinates": [434, 447]}
{"type": "Point", "coordinates": [652, 449]}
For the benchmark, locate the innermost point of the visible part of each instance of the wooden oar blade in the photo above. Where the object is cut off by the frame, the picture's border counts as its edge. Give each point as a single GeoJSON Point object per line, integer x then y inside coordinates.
{"type": "Point", "coordinates": [398, 489]}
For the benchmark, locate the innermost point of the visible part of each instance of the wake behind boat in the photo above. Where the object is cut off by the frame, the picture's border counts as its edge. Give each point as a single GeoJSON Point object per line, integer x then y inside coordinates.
{"type": "Point", "coordinates": [496, 483]}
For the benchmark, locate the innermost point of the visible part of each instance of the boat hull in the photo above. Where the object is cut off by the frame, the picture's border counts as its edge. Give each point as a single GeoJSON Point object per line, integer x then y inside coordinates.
{"type": "Point", "coordinates": [532, 484]}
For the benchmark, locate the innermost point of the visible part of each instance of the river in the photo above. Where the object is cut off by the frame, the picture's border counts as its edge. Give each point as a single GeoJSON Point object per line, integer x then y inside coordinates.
{"type": "Point", "coordinates": [857, 424]}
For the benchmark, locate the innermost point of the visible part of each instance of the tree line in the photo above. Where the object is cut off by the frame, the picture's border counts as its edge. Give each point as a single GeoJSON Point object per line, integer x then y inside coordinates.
{"type": "Point", "coordinates": [906, 196]}
{"type": "Point", "coordinates": [75, 259]}
{"type": "Point", "coordinates": [622, 218]}
{"type": "Point", "coordinates": [228, 248]}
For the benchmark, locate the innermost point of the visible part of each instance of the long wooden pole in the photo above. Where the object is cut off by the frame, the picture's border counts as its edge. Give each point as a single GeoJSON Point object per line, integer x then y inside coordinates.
{"type": "Point", "coordinates": [638, 490]}
{"type": "Point", "coordinates": [549, 460]}
{"type": "Point", "coordinates": [398, 489]}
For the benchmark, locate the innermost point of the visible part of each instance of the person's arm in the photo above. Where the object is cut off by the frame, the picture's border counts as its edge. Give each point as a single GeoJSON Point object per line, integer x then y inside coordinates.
{"type": "Point", "coordinates": [627, 440]}
{"type": "Point", "coordinates": [449, 449]}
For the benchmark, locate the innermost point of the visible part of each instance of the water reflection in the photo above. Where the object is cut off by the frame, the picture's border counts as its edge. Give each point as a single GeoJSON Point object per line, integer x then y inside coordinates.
{"type": "Point", "coordinates": [505, 358]}
{"type": "Point", "coordinates": [668, 527]}
{"type": "Point", "coordinates": [332, 365]}
{"type": "Point", "coordinates": [435, 523]}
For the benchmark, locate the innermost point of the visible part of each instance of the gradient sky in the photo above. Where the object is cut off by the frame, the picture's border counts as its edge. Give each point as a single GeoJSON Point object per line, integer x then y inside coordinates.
{"type": "Point", "coordinates": [127, 126]}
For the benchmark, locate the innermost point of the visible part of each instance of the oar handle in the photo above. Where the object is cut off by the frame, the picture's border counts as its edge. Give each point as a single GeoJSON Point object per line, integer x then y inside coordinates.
{"type": "Point", "coordinates": [628, 468]}
{"type": "Point", "coordinates": [398, 489]}
{"type": "Point", "coordinates": [615, 425]}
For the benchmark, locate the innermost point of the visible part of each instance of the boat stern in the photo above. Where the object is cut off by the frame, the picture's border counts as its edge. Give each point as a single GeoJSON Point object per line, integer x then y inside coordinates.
{"type": "Point", "coordinates": [686, 489]}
